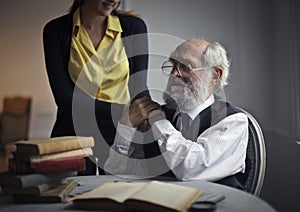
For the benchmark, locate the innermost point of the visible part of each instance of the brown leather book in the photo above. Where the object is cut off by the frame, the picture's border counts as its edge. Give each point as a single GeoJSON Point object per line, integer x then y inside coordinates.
{"type": "Point", "coordinates": [33, 190]}
{"type": "Point", "coordinates": [29, 180]}
{"type": "Point", "coordinates": [56, 194]}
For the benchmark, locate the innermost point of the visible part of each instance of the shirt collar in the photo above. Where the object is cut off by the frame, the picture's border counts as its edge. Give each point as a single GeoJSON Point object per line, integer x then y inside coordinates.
{"type": "Point", "coordinates": [76, 22]}
{"type": "Point", "coordinates": [113, 23]}
{"type": "Point", "coordinates": [194, 112]}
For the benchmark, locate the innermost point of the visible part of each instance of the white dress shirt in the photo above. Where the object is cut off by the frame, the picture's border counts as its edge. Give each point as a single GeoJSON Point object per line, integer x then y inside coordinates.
{"type": "Point", "coordinates": [218, 152]}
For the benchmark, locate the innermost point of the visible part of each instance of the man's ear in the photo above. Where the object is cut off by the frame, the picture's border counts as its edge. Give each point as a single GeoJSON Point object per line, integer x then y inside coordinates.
{"type": "Point", "coordinates": [217, 74]}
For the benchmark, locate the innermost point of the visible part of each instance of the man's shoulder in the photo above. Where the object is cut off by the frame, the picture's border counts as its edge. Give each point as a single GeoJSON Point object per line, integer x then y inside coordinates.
{"type": "Point", "coordinates": [222, 105]}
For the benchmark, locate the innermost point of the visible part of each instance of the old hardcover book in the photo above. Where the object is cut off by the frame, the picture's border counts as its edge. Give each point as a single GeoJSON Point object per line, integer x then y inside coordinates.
{"type": "Point", "coordinates": [49, 166]}
{"type": "Point", "coordinates": [28, 180]}
{"type": "Point", "coordinates": [143, 196]}
{"type": "Point", "coordinates": [33, 190]}
{"type": "Point", "coordinates": [56, 194]}
{"type": "Point", "coordinates": [85, 152]}
{"type": "Point", "coordinates": [53, 145]}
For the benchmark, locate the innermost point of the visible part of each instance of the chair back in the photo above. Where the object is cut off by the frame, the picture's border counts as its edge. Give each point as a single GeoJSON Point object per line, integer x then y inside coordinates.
{"type": "Point", "coordinates": [255, 158]}
{"type": "Point", "coordinates": [15, 118]}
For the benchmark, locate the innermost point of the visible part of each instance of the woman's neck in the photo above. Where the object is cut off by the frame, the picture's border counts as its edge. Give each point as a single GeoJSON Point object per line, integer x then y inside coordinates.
{"type": "Point", "coordinates": [94, 24]}
{"type": "Point", "coordinates": [92, 21]}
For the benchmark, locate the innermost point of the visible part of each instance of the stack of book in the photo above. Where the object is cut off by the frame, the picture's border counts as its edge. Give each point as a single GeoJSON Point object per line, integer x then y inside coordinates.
{"type": "Point", "coordinates": [38, 170]}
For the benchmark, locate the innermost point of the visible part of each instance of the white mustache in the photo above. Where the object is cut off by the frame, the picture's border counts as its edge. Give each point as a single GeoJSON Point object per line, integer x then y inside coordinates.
{"type": "Point", "coordinates": [176, 82]}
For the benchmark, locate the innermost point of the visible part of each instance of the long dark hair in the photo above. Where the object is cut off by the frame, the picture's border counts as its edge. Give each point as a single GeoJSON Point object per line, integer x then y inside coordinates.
{"type": "Point", "coordinates": [77, 3]}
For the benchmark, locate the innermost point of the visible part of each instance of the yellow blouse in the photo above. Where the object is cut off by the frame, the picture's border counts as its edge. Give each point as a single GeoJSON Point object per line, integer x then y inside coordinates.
{"type": "Point", "coordinates": [102, 73]}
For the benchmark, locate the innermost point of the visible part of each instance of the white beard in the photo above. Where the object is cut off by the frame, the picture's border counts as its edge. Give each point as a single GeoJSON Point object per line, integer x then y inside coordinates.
{"type": "Point", "coordinates": [184, 96]}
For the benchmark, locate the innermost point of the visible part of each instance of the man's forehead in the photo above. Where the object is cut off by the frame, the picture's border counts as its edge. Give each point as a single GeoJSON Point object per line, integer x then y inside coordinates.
{"type": "Point", "coordinates": [190, 51]}
{"type": "Point", "coordinates": [194, 45]}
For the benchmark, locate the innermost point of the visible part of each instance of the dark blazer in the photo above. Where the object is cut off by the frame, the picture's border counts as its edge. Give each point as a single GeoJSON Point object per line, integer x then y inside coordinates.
{"type": "Point", "coordinates": [57, 36]}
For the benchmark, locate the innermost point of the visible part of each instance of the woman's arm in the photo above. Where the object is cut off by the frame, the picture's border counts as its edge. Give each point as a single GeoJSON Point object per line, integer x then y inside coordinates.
{"type": "Point", "coordinates": [56, 64]}
{"type": "Point", "coordinates": [135, 40]}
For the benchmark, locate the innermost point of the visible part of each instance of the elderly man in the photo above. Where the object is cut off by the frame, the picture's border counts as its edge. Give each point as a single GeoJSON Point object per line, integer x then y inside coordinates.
{"type": "Point", "coordinates": [195, 135]}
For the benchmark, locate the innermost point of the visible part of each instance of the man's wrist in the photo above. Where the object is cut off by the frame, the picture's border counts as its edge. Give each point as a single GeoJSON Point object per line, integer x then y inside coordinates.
{"type": "Point", "coordinates": [156, 115]}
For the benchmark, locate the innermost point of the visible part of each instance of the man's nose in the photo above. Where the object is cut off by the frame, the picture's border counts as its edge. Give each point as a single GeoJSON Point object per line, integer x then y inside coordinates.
{"type": "Point", "coordinates": [175, 72]}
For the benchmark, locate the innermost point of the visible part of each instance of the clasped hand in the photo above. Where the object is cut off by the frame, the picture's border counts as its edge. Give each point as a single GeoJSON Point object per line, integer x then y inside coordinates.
{"type": "Point", "coordinates": [142, 113]}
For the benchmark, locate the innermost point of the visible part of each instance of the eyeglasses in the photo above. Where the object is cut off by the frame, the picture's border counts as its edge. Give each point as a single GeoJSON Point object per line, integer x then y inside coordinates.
{"type": "Point", "coordinates": [169, 66]}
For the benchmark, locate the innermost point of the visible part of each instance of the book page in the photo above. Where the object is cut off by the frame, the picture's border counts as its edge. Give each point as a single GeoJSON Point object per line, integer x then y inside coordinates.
{"type": "Point", "coordinates": [117, 191]}
{"type": "Point", "coordinates": [168, 195]}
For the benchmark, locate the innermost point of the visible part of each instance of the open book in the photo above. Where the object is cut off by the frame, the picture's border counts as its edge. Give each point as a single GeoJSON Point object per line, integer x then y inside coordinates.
{"type": "Point", "coordinates": [142, 196]}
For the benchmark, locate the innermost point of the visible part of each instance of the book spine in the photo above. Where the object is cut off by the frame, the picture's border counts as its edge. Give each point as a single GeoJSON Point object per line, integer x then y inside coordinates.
{"type": "Point", "coordinates": [51, 166]}
{"type": "Point", "coordinates": [16, 167]}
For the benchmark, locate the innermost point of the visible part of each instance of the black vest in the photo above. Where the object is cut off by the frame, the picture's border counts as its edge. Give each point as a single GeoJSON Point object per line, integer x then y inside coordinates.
{"type": "Point", "coordinates": [208, 118]}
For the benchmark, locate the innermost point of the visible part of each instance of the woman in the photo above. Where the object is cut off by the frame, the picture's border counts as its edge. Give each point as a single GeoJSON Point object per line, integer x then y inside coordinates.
{"type": "Point", "coordinates": [92, 55]}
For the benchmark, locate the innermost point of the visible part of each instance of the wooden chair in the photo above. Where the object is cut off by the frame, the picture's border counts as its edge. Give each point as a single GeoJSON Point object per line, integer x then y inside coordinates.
{"type": "Point", "coordinates": [14, 125]}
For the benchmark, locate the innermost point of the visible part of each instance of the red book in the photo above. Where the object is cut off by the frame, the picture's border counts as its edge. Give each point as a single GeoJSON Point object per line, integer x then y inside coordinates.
{"type": "Point", "coordinates": [50, 166]}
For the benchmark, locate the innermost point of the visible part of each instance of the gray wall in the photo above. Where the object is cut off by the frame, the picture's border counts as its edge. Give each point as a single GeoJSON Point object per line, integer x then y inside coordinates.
{"type": "Point", "coordinates": [262, 40]}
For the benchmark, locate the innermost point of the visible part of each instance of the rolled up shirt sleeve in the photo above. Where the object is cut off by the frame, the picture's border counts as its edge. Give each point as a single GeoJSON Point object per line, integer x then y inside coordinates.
{"type": "Point", "coordinates": [123, 153]}
{"type": "Point", "coordinates": [123, 139]}
{"type": "Point", "coordinates": [219, 151]}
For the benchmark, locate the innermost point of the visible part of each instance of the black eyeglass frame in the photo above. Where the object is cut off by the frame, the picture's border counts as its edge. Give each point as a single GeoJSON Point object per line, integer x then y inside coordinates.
{"type": "Point", "coordinates": [179, 67]}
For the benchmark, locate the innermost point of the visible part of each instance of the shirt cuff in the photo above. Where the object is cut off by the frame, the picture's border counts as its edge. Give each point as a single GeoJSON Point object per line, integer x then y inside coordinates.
{"type": "Point", "coordinates": [162, 128]}
{"type": "Point", "coordinates": [125, 134]}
